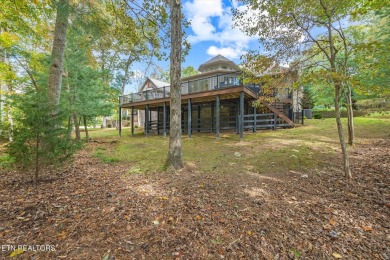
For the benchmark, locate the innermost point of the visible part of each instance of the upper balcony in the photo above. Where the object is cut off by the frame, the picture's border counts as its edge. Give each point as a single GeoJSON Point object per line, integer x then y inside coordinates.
{"type": "Point", "coordinates": [216, 82]}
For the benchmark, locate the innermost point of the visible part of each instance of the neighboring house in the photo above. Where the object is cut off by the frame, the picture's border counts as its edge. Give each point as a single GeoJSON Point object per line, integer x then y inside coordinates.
{"type": "Point", "coordinates": [212, 101]}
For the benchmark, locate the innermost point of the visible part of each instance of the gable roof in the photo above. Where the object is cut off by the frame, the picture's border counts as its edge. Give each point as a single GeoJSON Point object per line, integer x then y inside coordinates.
{"type": "Point", "coordinates": [157, 83]}
{"type": "Point", "coordinates": [219, 59]}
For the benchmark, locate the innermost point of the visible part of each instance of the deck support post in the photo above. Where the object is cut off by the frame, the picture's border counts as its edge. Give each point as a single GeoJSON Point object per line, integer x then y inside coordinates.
{"type": "Point", "coordinates": [158, 120]}
{"type": "Point", "coordinates": [146, 130]}
{"type": "Point", "coordinates": [238, 117]}
{"type": "Point", "coordinates": [198, 118]}
{"type": "Point", "coordinates": [189, 130]}
{"type": "Point", "coordinates": [241, 121]}
{"type": "Point", "coordinates": [254, 119]}
{"type": "Point", "coordinates": [217, 119]}
{"type": "Point", "coordinates": [132, 121]}
{"type": "Point", "coordinates": [165, 120]}
{"type": "Point", "coordinates": [150, 119]}
{"type": "Point", "coordinates": [120, 121]}
{"type": "Point", "coordinates": [275, 120]}
{"type": "Point", "coordinates": [212, 116]}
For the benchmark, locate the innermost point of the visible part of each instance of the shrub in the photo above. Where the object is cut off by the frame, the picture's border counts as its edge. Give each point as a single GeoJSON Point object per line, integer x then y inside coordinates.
{"type": "Point", "coordinates": [6, 161]}
{"type": "Point", "coordinates": [317, 116]}
{"type": "Point", "coordinates": [39, 138]}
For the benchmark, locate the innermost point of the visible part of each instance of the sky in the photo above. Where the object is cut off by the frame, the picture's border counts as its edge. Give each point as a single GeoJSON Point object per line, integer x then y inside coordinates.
{"type": "Point", "coordinates": [211, 32]}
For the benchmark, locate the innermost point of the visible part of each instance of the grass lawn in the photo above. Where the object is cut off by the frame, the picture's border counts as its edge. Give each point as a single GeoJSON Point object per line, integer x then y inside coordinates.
{"type": "Point", "coordinates": [299, 149]}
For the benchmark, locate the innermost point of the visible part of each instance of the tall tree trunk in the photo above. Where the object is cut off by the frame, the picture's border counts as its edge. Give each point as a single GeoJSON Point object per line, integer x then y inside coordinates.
{"type": "Point", "coordinates": [174, 159]}
{"type": "Point", "coordinates": [86, 128]}
{"type": "Point", "coordinates": [2, 118]}
{"type": "Point", "coordinates": [9, 107]}
{"type": "Point", "coordinates": [70, 127]}
{"type": "Point", "coordinates": [338, 88]}
{"type": "Point", "coordinates": [11, 124]}
{"type": "Point", "coordinates": [2, 90]}
{"type": "Point", "coordinates": [351, 130]}
{"type": "Point", "coordinates": [76, 126]}
{"type": "Point", "coordinates": [57, 56]}
{"type": "Point", "coordinates": [347, 170]}
{"type": "Point", "coordinates": [36, 172]}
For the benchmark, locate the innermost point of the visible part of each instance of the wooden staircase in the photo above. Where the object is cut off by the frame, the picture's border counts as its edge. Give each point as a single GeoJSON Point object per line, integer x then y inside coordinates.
{"type": "Point", "coordinates": [278, 110]}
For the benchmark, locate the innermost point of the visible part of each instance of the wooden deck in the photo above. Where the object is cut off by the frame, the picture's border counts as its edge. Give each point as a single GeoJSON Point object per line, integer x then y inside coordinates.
{"type": "Point", "coordinates": [224, 93]}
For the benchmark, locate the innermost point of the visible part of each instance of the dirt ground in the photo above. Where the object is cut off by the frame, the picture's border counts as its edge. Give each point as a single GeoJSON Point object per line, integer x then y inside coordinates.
{"type": "Point", "coordinates": [91, 210]}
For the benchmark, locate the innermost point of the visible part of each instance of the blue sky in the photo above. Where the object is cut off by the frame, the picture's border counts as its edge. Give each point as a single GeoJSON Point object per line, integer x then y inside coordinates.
{"type": "Point", "coordinates": [211, 32]}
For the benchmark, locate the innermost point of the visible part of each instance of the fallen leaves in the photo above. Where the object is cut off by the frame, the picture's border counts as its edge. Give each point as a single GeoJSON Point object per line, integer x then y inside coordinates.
{"type": "Point", "coordinates": [367, 228]}
{"type": "Point", "coordinates": [87, 213]}
{"type": "Point", "coordinates": [16, 252]}
{"type": "Point", "coordinates": [62, 235]}
{"type": "Point", "coordinates": [337, 255]}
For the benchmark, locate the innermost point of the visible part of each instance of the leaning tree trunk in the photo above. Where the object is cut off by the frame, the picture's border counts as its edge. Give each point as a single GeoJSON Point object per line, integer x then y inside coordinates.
{"type": "Point", "coordinates": [86, 128]}
{"type": "Point", "coordinates": [57, 56]}
{"type": "Point", "coordinates": [174, 159]}
{"type": "Point", "coordinates": [347, 170]}
{"type": "Point", "coordinates": [351, 130]}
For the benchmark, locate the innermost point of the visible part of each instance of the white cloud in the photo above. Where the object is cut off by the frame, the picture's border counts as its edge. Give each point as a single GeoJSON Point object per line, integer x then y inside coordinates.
{"type": "Point", "coordinates": [200, 12]}
{"type": "Point", "coordinates": [212, 21]}
{"type": "Point", "coordinates": [228, 52]}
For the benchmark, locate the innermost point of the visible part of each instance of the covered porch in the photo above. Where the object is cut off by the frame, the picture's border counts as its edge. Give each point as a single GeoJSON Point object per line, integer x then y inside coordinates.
{"type": "Point", "coordinates": [212, 111]}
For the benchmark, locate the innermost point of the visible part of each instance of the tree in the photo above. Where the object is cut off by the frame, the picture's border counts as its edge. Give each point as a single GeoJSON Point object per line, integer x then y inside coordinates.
{"type": "Point", "coordinates": [174, 159]}
{"type": "Point", "coordinates": [287, 28]}
{"type": "Point", "coordinates": [369, 62]}
{"type": "Point", "coordinates": [57, 56]}
{"type": "Point", "coordinates": [307, 98]}
{"type": "Point", "coordinates": [188, 71]}
{"type": "Point", "coordinates": [86, 96]}
{"type": "Point", "coordinates": [160, 74]}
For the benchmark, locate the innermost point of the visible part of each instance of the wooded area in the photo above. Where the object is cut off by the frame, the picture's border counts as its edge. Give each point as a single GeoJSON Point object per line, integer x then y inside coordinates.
{"type": "Point", "coordinates": [69, 182]}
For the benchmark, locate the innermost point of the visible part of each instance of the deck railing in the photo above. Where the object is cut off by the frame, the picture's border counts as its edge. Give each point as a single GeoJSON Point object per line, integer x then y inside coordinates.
{"type": "Point", "coordinates": [227, 80]}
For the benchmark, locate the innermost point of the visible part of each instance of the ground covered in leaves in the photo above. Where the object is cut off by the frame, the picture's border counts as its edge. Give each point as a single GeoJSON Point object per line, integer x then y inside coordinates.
{"type": "Point", "coordinates": [94, 209]}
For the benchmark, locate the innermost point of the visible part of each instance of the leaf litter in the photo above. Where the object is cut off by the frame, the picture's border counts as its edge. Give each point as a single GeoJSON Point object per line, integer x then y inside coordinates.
{"type": "Point", "coordinates": [92, 210]}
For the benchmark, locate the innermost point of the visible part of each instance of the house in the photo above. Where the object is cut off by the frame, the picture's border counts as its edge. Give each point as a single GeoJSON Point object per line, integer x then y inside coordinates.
{"type": "Point", "coordinates": [213, 100]}
{"type": "Point", "coordinates": [154, 88]}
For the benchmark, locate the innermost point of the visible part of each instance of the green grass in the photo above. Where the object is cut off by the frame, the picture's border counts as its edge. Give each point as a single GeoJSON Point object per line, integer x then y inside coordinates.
{"type": "Point", "coordinates": [104, 157]}
{"type": "Point", "coordinates": [300, 149]}
{"type": "Point", "coordinates": [6, 161]}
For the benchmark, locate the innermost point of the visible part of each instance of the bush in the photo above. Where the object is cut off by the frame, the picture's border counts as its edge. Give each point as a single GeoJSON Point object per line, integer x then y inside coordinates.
{"type": "Point", "coordinates": [6, 161]}
{"type": "Point", "coordinates": [39, 138]}
{"type": "Point", "coordinates": [317, 116]}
